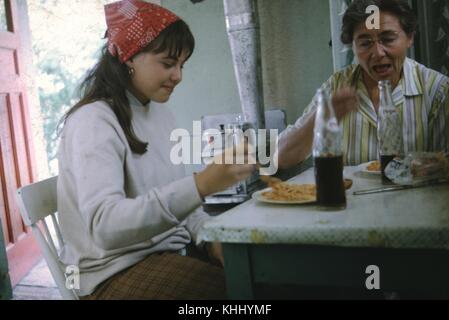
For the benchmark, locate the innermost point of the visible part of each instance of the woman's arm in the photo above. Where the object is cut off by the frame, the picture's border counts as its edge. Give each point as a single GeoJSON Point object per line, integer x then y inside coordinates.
{"type": "Point", "coordinates": [296, 145]}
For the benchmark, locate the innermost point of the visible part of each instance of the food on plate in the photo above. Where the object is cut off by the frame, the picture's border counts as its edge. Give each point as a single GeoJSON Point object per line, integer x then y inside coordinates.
{"type": "Point", "coordinates": [291, 192]}
{"type": "Point", "coordinates": [373, 166]}
{"type": "Point", "coordinates": [284, 191]}
{"type": "Point", "coordinates": [271, 181]}
{"type": "Point", "coordinates": [348, 183]}
{"type": "Point", "coordinates": [428, 164]}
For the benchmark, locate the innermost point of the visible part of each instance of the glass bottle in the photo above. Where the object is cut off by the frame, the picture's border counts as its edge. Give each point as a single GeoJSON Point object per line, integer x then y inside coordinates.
{"type": "Point", "coordinates": [327, 156]}
{"type": "Point", "coordinates": [389, 129]}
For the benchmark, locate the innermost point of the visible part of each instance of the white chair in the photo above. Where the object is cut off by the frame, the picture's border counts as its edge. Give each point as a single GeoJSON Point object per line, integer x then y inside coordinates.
{"type": "Point", "coordinates": [38, 202]}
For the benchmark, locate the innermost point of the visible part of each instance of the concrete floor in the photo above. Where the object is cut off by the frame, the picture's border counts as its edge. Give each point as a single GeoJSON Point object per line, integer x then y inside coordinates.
{"type": "Point", "coordinates": [38, 284]}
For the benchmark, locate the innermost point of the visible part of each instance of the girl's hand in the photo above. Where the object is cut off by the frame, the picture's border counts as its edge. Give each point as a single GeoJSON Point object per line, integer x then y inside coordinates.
{"type": "Point", "coordinates": [218, 177]}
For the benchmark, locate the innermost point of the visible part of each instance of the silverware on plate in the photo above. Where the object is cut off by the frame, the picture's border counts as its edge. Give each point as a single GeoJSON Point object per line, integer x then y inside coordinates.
{"type": "Point", "coordinates": [400, 187]}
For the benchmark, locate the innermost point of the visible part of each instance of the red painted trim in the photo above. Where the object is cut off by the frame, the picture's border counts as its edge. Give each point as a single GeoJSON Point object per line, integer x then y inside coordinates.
{"type": "Point", "coordinates": [29, 145]}
{"type": "Point", "coordinates": [9, 237]}
{"type": "Point", "coordinates": [13, 139]}
{"type": "Point", "coordinates": [4, 202]}
{"type": "Point", "coordinates": [22, 256]}
{"type": "Point", "coordinates": [16, 62]}
{"type": "Point", "coordinates": [9, 20]}
{"type": "Point", "coordinates": [17, 163]}
{"type": "Point", "coordinates": [11, 12]}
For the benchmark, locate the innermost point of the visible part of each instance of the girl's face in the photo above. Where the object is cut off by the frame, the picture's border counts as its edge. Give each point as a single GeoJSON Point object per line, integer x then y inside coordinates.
{"type": "Point", "coordinates": [155, 75]}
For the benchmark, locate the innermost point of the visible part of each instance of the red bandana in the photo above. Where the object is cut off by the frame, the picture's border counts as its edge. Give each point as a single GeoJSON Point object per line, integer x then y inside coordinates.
{"type": "Point", "coordinates": [133, 24]}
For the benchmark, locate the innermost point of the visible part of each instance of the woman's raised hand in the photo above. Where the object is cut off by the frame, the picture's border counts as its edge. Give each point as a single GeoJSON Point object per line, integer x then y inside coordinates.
{"type": "Point", "coordinates": [345, 100]}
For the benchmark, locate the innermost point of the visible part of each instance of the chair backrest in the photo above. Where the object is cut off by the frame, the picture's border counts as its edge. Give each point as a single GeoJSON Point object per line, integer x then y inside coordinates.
{"type": "Point", "coordinates": [38, 205]}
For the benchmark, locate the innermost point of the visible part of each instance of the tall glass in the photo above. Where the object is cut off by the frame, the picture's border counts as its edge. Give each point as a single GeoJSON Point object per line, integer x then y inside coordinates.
{"type": "Point", "coordinates": [327, 156]}
{"type": "Point", "coordinates": [389, 129]}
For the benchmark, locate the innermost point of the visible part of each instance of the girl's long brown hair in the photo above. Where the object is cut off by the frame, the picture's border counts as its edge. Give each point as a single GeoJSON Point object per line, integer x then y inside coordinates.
{"type": "Point", "coordinates": [109, 79]}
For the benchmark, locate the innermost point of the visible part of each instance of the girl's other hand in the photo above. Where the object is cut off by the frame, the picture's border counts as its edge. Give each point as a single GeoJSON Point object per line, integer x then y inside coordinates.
{"type": "Point", "coordinates": [215, 252]}
{"type": "Point", "coordinates": [220, 175]}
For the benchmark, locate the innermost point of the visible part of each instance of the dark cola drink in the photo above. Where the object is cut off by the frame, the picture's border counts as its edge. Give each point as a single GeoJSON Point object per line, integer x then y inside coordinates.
{"type": "Point", "coordinates": [329, 182]}
{"type": "Point", "coordinates": [384, 161]}
{"type": "Point", "coordinates": [327, 155]}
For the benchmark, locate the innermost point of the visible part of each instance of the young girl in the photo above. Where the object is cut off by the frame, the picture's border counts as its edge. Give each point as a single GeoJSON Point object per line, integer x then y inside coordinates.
{"type": "Point", "coordinates": [125, 210]}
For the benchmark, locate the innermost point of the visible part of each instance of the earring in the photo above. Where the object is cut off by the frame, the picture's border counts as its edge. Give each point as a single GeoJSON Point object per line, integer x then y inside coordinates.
{"type": "Point", "coordinates": [131, 71]}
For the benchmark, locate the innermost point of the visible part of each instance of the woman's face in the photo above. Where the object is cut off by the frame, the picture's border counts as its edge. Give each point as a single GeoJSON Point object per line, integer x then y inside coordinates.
{"type": "Point", "coordinates": [155, 75]}
{"type": "Point", "coordinates": [381, 52]}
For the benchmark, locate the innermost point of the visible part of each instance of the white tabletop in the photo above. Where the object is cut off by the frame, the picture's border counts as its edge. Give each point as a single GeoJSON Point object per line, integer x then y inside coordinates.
{"type": "Point", "coordinates": [412, 218]}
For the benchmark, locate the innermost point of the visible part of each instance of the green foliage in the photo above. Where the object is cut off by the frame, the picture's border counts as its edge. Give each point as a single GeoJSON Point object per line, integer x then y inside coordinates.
{"type": "Point", "coordinates": [440, 40]}
{"type": "Point", "coordinates": [54, 103]}
{"type": "Point", "coordinates": [66, 37]}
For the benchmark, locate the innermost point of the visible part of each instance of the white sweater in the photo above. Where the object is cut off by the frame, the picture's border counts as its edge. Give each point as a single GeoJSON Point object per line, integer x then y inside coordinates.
{"type": "Point", "coordinates": [117, 207]}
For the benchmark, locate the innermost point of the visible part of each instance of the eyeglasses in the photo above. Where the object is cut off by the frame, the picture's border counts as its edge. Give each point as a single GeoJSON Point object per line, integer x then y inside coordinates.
{"type": "Point", "coordinates": [386, 40]}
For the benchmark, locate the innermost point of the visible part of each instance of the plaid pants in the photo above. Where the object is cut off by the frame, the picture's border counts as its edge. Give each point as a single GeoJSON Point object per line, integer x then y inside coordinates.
{"type": "Point", "coordinates": [164, 276]}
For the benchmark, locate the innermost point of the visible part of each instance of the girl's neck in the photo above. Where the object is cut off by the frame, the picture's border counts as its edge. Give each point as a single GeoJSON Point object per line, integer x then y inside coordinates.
{"type": "Point", "coordinates": [142, 98]}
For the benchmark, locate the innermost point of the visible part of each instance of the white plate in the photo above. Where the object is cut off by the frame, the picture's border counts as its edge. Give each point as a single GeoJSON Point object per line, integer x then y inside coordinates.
{"type": "Point", "coordinates": [364, 169]}
{"type": "Point", "coordinates": [259, 197]}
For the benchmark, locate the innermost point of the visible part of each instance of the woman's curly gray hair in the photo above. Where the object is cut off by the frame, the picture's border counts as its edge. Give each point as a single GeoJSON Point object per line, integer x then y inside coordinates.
{"type": "Point", "coordinates": [356, 14]}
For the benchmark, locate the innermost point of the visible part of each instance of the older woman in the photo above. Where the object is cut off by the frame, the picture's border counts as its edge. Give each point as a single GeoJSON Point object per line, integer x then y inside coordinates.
{"type": "Point", "coordinates": [421, 94]}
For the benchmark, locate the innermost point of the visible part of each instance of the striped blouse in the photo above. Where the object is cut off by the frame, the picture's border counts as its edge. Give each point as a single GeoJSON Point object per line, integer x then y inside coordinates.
{"type": "Point", "coordinates": [422, 96]}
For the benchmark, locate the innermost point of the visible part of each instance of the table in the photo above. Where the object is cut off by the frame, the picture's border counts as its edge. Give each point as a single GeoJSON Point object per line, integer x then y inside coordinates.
{"type": "Point", "coordinates": [403, 233]}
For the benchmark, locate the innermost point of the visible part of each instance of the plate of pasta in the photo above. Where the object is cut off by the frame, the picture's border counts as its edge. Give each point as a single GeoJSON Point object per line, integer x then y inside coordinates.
{"type": "Point", "coordinates": [372, 167]}
{"type": "Point", "coordinates": [287, 193]}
